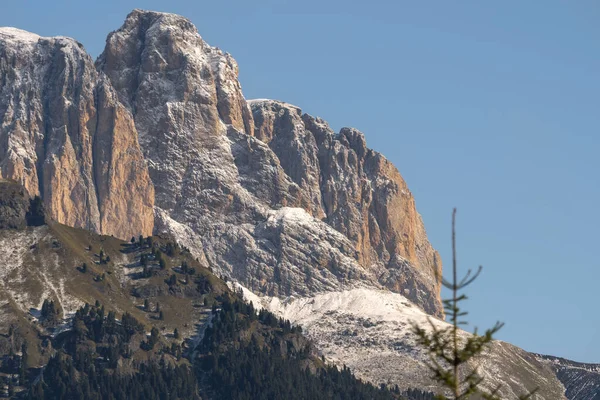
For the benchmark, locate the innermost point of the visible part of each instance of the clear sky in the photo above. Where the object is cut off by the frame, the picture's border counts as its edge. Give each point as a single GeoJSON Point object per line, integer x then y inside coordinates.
{"type": "Point", "coordinates": [492, 107]}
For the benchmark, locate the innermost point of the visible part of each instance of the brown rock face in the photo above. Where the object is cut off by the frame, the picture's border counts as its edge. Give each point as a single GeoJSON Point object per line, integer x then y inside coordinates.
{"type": "Point", "coordinates": [181, 93]}
{"type": "Point", "coordinates": [50, 111]}
{"type": "Point", "coordinates": [358, 192]}
{"type": "Point", "coordinates": [125, 192]}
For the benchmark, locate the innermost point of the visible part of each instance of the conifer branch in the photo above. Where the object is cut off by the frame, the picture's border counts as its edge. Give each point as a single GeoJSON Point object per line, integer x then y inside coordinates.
{"type": "Point", "coordinates": [450, 349]}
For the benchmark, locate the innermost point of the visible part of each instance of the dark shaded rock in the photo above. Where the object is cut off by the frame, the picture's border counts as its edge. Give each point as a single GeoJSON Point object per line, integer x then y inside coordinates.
{"type": "Point", "coordinates": [36, 215]}
{"type": "Point", "coordinates": [14, 204]}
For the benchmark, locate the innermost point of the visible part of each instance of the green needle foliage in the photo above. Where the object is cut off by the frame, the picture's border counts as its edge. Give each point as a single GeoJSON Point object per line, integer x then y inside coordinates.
{"type": "Point", "coordinates": [449, 350]}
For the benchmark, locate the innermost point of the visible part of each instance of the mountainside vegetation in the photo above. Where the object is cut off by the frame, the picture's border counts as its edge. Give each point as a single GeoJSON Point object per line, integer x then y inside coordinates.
{"type": "Point", "coordinates": [142, 319]}
{"type": "Point", "coordinates": [244, 355]}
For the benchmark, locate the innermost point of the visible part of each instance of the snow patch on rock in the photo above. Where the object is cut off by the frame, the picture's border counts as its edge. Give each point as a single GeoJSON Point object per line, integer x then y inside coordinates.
{"type": "Point", "coordinates": [10, 33]}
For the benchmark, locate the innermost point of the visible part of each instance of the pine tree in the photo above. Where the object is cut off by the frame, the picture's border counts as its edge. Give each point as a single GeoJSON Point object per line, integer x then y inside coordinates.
{"type": "Point", "coordinates": [24, 364]}
{"type": "Point", "coordinates": [170, 249]}
{"type": "Point", "coordinates": [176, 334]}
{"type": "Point", "coordinates": [172, 280]}
{"type": "Point", "coordinates": [146, 305]}
{"type": "Point", "coordinates": [450, 351]}
{"type": "Point", "coordinates": [154, 334]}
{"type": "Point", "coordinates": [35, 214]}
{"type": "Point", "coordinates": [161, 315]}
{"type": "Point", "coordinates": [50, 312]}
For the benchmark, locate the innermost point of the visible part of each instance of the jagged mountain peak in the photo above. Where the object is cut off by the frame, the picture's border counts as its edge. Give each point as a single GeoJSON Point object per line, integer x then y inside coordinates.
{"type": "Point", "coordinates": [19, 40]}
{"type": "Point", "coordinates": [153, 48]}
{"type": "Point", "coordinates": [148, 18]}
{"type": "Point", "coordinates": [278, 106]}
{"type": "Point", "coordinates": [174, 26]}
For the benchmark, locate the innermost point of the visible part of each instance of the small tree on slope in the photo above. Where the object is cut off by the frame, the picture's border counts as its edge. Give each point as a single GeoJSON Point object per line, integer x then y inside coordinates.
{"type": "Point", "coordinates": [449, 353]}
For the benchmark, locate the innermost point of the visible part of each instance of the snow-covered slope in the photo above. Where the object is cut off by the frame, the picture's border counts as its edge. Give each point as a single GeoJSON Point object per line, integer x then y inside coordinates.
{"type": "Point", "coordinates": [370, 331]}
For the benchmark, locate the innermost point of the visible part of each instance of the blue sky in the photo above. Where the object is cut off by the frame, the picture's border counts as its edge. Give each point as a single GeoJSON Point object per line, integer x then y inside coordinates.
{"type": "Point", "coordinates": [492, 107]}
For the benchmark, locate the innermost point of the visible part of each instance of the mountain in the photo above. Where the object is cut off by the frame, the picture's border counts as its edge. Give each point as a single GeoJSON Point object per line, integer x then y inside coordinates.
{"type": "Point", "coordinates": [581, 380]}
{"type": "Point", "coordinates": [76, 308]}
{"type": "Point", "coordinates": [156, 137]}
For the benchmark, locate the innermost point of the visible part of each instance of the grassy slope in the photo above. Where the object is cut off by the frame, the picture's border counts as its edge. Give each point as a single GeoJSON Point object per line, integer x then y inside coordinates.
{"type": "Point", "coordinates": [43, 264]}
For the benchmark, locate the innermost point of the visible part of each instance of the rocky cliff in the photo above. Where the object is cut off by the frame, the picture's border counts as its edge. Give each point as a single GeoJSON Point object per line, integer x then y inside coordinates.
{"type": "Point", "coordinates": [65, 136]}
{"type": "Point", "coordinates": [359, 193]}
{"type": "Point", "coordinates": [581, 380]}
{"type": "Point", "coordinates": [157, 136]}
{"type": "Point", "coordinates": [215, 175]}
{"type": "Point", "coordinates": [14, 205]}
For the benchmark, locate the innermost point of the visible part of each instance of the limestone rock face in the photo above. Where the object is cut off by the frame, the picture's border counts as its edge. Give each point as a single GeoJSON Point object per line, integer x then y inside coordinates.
{"type": "Point", "coordinates": [14, 204]}
{"type": "Point", "coordinates": [358, 192]}
{"type": "Point", "coordinates": [52, 111]}
{"type": "Point", "coordinates": [280, 126]}
{"type": "Point", "coordinates": [222, 170]}
{"type": "Point", "coordinates": [182, 93]}
{"type": "Point", "coordinates": [125, 191]}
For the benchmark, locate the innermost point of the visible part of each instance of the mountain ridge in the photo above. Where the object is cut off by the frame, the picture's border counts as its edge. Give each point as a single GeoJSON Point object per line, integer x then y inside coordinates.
{"type": "Point", "coordinates": [160, 134]}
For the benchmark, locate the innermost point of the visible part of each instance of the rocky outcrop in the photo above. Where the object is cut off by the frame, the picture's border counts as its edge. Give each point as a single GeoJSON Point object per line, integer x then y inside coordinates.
{"type": "Point", "coordinates": [359, 193]}
{"type": "Point", "coordinates": [14, 204]}
{"type": "Point", "coordinates": [64, 137]}
{"type": "Point", "coordinates": [581, 380]}
{"type": "Point", "coordinates": [182, 93]}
